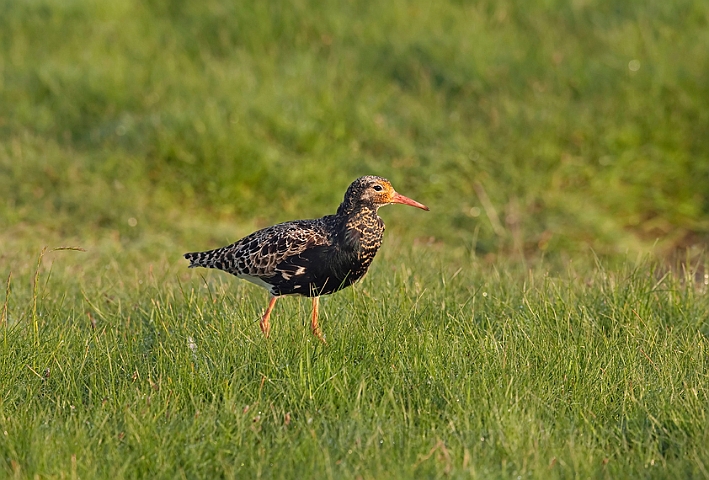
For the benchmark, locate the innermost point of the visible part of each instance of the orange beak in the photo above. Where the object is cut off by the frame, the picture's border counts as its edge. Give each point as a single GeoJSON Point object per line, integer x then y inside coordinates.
{"type": "Point", "coordinates": [398, 198]}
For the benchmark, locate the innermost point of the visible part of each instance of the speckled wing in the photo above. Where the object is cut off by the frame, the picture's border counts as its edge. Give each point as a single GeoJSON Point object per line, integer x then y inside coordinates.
{"type": "Point", "coordinates": [257, 257]}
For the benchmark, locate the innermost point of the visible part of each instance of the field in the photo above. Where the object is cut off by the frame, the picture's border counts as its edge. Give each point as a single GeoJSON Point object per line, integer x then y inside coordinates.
{"type": "Point", "coordinates": [546, 319]}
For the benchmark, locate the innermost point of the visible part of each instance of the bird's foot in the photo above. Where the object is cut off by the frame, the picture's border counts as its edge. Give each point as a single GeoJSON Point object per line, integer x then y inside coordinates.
{"type": "Point", "coordinates": [265, 326]}
{"type": "Point", "coordinates": [318, 334]}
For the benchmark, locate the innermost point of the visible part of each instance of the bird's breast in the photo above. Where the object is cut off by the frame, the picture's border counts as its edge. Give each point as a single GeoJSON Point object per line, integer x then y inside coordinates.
{"type": "Point", "coordinates": [363, 233]}
{"type": "Point", "coordinates": [362, 238]}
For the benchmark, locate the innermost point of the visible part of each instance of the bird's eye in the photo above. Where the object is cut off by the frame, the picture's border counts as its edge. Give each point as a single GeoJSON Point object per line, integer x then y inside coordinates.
{"type": "Point", "coordinates": [378, 188]}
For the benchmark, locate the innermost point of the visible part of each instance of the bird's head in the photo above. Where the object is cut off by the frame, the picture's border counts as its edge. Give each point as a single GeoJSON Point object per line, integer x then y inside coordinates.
{"type": "Point", "coordinates": [376, 192]}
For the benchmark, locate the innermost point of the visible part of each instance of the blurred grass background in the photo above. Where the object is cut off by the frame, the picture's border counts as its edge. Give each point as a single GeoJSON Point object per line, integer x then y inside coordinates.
{"type": "Point", "coordinates": [526, 126]}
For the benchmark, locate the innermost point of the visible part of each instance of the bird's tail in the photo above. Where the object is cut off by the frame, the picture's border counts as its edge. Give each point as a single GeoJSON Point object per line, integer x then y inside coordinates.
{"type": "Point", "coordinates": [208, 259]}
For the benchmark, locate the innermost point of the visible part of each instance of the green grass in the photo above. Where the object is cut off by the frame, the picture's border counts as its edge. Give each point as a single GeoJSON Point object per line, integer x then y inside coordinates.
{"type": "Point", "coordinates": [431, 370]}
{"type": "Point", "coordinates": [270, 109]}
{"type": "Point", "coordinates": [510, 332]}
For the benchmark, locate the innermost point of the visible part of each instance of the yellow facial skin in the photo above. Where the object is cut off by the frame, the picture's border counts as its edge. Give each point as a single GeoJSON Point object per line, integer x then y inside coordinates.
{"type": "Point", "coordinates": [382, 193]}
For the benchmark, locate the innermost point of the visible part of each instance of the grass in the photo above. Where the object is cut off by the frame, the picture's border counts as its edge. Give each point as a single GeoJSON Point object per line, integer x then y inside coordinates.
{"type": "Point", "coordinates": [510, 332]}
{"type": "Point", "coordinates": [523, 120]}
{"type": "Point", "coordinates": [430, 371]}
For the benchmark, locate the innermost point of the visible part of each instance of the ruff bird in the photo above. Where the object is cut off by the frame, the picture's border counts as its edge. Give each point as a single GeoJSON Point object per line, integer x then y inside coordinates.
{"type": "Point", "coordinates": [311, 257]}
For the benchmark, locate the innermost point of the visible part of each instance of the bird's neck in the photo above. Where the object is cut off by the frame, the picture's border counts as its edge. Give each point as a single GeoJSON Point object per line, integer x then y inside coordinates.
{"type": "Point", "coordinates": [348, 209]}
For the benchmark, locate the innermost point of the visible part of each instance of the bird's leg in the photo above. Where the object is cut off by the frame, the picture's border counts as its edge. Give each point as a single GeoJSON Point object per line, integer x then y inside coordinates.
{"type": "Point", "coordinates": [314, 320]}
{"type": "Point", "coordinates": [265, 324]}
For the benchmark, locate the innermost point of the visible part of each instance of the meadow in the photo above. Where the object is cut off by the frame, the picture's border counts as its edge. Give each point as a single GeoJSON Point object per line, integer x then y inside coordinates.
{"type": "Point", "coordinates": [546, 319]}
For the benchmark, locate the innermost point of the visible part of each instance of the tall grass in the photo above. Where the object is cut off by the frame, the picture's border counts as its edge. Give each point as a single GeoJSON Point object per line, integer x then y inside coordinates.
{"type": "Point", "coordinates": [430, 370]}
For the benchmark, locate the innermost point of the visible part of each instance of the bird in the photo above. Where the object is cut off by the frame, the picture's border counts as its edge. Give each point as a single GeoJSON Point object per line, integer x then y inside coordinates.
{"type": "Point", "coordinates": [311, 257]}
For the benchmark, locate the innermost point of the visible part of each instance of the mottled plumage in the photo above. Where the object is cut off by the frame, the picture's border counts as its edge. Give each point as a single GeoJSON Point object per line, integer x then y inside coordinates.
{"type": "Point", "coordinates": [311, 257]}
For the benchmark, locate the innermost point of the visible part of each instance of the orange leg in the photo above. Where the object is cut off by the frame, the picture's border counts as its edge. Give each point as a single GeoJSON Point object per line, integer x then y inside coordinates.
{"type": "Point", "coordinates": [314, 320]}
{"type": "Point", "coordinates": [265, 324]}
